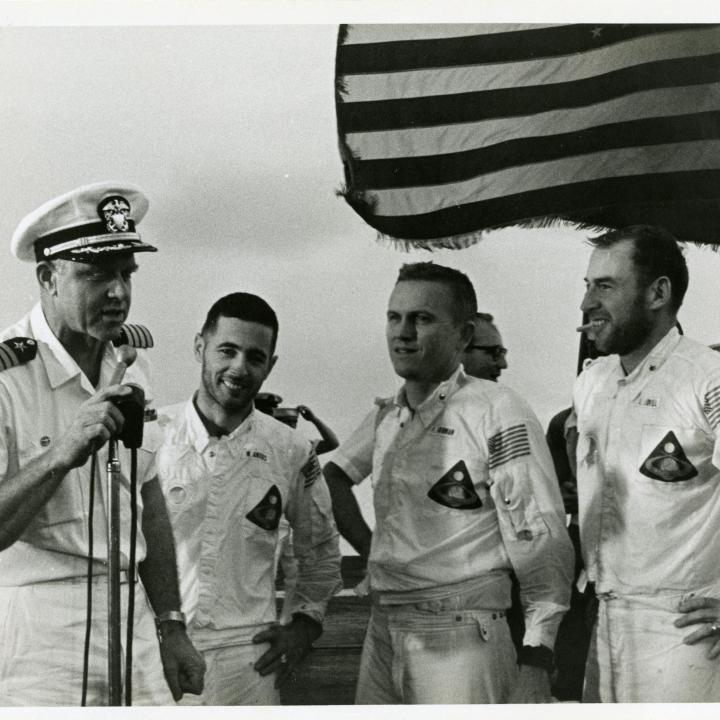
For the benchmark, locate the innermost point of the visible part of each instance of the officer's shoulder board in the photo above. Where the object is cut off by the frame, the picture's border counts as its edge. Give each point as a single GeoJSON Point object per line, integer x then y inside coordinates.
{"type": "Point", "coordinates": [137, 336]}
{"type": "Point", "coordinates": [16, 351]}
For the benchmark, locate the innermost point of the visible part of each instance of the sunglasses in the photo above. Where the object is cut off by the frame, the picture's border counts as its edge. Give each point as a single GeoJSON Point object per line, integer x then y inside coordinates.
{"type": "Point", "coordinates": [495, 351]}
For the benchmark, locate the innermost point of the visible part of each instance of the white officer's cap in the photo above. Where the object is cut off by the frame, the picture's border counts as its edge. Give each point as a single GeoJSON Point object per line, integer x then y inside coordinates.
{"type": "Point", "coordinates": [84, 225]}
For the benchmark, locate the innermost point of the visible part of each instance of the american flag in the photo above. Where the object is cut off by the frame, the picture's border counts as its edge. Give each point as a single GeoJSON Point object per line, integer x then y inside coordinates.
{"type": "Point", "coordinates": [446, 131]}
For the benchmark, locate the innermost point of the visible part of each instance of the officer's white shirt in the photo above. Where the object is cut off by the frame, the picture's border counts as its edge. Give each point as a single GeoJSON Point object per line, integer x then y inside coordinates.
{"type": "Point", "coordinates": [226, 560]}
{"type": "Point", "coordinates": [464, 488]}
{"type": "Point", "coordinates": [38, 401]}
{"type": "Point", "coordinates": [648, 469]}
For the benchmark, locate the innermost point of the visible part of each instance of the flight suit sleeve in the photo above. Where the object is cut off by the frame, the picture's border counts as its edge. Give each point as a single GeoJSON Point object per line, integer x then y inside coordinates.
{"type": "Point", "coordinates": [530, 516]}
{"type": "Point", "coordinates": [315, 540]}
{"type": "Point", "coordinates": [711, 410]}
{"type": "Point", "coordinates": [355, 455]}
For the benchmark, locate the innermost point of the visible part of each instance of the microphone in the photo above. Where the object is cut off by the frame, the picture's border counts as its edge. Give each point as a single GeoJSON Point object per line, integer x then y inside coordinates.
{"type": "Point", "coordinates": [129, 338]}
{"type": "Point", "coordinates": [125, 356]}
{"type": "Point", "coordinates": [132, 406]}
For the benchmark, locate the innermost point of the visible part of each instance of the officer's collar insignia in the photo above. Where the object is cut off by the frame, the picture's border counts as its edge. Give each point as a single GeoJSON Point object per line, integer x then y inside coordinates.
{"type": "Point", "coordinates": [114, 211]}
{"type": "Point", "coordinates": [16, 351]}
{"type": "Point", "coordinates": [668, 462]}
{"type": "Point", "coordinates": [455, 489]}
{"type": "Point", "coordinates": [266, 514]}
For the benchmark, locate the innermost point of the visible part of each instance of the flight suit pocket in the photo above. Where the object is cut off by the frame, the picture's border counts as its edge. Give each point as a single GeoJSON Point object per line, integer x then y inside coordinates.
{"type": "Point", "coordinates": [518, 510]}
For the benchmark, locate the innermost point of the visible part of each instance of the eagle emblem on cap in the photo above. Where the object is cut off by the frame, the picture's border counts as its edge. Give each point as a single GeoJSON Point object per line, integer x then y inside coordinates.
{"type": "Point", "coordinates": [114, 213]}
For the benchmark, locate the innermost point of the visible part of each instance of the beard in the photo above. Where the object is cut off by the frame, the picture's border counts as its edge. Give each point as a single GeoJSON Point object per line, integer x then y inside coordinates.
{"type": "Point", "coordinates": [631, 334]}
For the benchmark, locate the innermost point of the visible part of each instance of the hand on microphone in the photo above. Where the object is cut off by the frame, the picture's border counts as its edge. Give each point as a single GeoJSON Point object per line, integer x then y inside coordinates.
{"type": "Point", "coordinates": [97, 420]}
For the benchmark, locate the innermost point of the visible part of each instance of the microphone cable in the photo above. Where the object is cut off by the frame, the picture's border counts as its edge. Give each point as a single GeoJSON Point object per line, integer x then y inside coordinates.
{"type": "Point", "coordinates": [131, 577]}
{"type": "Point", "coordinates": [88, 615]}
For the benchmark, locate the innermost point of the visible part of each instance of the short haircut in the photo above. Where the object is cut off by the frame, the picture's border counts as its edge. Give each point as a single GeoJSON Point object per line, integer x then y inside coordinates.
{"type": "Point", "coordinates": [465, 301]}
{"type": "Point", "coordinates": [243, 306]}
{"type": "Point", "coordinates": [656, 254]}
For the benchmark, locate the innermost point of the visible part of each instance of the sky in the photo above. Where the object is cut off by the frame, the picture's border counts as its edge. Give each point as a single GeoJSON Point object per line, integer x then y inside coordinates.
{"type": "Point", "coordinates": [230, 131]}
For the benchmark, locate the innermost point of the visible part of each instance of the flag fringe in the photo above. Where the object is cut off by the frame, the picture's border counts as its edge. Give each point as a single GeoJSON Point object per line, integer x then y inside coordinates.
{"type": "Point", "coordinates": [456, 242]}
{"type": "Point", "coordinates": [466, 240]}
{"type": "Point", "coordinates": [364, 205]}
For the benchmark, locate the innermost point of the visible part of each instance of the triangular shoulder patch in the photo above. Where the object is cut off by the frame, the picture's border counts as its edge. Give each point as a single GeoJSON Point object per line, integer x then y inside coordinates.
{"type": "Point", "coordinates": [668, 462]}
{"type": "Point", "coordinates": [266, 514]}
{"type": "Point", "coordinates": [455, 489]}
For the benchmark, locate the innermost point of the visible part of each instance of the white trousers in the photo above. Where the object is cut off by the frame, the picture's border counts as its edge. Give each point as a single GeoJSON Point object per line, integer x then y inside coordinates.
{"type": "Point", "coordinates": [42, 635]}
{"type": "Point", "coordinates": [230, 678]}
{"type": "Point", "coordinates": [434, 653]}
{"type": "Point", "coordinates": [638, 655]}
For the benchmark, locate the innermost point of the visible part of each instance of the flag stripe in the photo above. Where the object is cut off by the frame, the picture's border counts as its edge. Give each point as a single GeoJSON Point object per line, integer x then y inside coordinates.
{"type": "Point", "coordinates": [508, 445]}
{"type": "Point", "coordinates": [456, 167]}
{"type": "Point", "coordinates": [565, 68]}
{"type": "Point", "coordinates": [501, 439]}
{"type": "Point", "coordinates": [419, 142]}
{"type": "Point", "coordinates": [712, 406]}
{"type": "Point", "coordinates": [508, 47]}
{"type": "Point", "coordinates": [614, 163]}
{"type": "Point", "coordinates": [511, 102]}
{"type": "Point", "coordinates": [380, 32]}
{"type": "Point", "coordinates": [445, 137]}
{"type": "Point", "coordinates": [667, 199]}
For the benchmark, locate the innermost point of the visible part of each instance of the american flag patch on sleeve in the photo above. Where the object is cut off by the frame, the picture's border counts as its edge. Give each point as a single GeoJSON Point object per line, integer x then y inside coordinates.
{"type": "Point", "coordinates": [507, 445]}
{"type": "Point", "coordinates": [311, 470]}
{"type": "Point", "coordinates": [711, 408]}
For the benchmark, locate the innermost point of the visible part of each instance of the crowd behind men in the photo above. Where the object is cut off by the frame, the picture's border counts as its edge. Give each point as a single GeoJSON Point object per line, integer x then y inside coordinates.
{"type": "Point", "coordinates": [465, 492]}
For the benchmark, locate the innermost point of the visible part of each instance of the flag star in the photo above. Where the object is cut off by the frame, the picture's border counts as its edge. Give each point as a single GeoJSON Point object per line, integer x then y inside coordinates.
{"type": "Point", "coordinates": [596, 32]}
{"type": "Point", "coordinates": [20, 345]}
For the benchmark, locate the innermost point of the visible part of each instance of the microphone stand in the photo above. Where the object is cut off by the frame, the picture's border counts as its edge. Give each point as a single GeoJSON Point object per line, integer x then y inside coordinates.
{"type": "Point", "coordinates": [113, 575]}
{"type": "Point", "coordinates": [126, 356]}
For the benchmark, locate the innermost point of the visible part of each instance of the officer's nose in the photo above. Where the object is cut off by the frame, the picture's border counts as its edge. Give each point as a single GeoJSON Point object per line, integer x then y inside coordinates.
{"type": "Point", "coordinates": [120, 288]}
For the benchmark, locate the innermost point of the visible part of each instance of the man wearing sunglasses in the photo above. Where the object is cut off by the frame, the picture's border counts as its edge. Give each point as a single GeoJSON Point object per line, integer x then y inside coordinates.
{"type": "Point", "coordinates": [485, 356]}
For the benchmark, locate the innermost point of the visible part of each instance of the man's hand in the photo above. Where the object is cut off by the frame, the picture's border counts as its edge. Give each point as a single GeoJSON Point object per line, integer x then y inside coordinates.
{"type": "Point", "coordinates": [533, 686]}
{"type": "Point", "coordinates": [96, 421]}
{"type": "Point", "coordinates": [183, 665]}
{"type": "Point", "coordinates": [289, 644]}
{"type": "Point", "coordinates": [306, 413]}
{"type": "Point", "coordinates": [704, 611]}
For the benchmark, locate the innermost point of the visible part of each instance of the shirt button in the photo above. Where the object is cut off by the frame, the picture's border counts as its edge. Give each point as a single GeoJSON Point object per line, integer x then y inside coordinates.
{"type": "Point", "coordinates": [211, 454]}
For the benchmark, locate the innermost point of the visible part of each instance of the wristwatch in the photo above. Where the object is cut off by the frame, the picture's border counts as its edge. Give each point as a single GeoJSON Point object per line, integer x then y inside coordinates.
{"type": "Point", "coordinates": [169, 616]}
